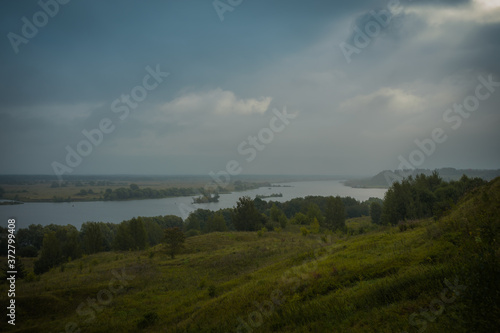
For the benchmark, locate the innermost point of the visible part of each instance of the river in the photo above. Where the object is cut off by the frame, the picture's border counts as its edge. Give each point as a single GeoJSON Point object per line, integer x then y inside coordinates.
{"type": "Point", "coordinates": [77, 213]}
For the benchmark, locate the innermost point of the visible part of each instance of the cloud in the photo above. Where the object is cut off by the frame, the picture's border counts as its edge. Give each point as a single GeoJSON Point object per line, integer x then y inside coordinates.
{"type": "Point", "coordinates": [478, 11]}
{"type": "Point", "coordinates": [219, 102]}
{"type": "Point", "coordinates": [387, 100]}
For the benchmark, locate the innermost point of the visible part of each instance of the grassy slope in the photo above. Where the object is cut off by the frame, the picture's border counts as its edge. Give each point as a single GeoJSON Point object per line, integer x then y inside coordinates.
{"type": "Point", "coordinates": [370, 282]}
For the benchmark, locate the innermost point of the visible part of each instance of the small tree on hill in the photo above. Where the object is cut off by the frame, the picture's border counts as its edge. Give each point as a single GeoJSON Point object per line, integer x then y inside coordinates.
{"type": "Point", "coordinates": [315, 226]}
{"type": "Point", "coordinates": [174, 239]}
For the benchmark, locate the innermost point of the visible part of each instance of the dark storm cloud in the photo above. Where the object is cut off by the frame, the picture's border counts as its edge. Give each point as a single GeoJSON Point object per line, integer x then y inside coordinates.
{"type": "Point", "coordinates": [226, 77]}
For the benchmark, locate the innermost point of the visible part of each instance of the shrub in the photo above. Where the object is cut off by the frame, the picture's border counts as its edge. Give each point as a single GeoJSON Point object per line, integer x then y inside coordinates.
{"type": "Point", "coordinates": [193, 232]}
{"type": "Point", "coordinates": [402, 226]}
{"type": "Point", "coordinates": [149, 319]}
{"type": "Point", "coordinates": [212, 291]}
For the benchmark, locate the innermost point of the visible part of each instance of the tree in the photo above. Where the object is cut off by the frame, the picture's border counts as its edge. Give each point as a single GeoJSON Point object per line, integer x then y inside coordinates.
{"type": "Point", "coordinates": [154, 232]}
{"type": "Point", "coordinates": [31, 236]}
{"type": "Point", "coordinates": [123, 239]}
{"type": "Point", "coordinates": [138, 233]}
{"type": "Point", "coordinates": [335, 214]}
{"type": "Point", "coordinates": [301, 219]}
{"type": "Point", "coordinates": [375, 212]}
{"type": "Point", "coordinates": [277, 216]}
{"type": "Point", "coordinates": [315, 226]}
{"type": "Point", "coordinates": [216, 223]}
{"type": "Point", "coordinates": [246, 217]}
{"type": "Point", "coordinates": [174, 239]}
{"type": "Point", "coordinates": [389, 214]}
{"type": "Point", "coordinates": [169, 221]}
{"type": "Point", "coordinates": [50, 255]}
{"type": "Point", "coordinates": [92, 237]}
{"type": "Point", "coordinates": [2, 192]}
{"type": "Point", "coordinates": [70, 242]}
{"type": "Point", "coordinates": [82, 192]}
{"type": "Point", "coordinates": [314, 212]}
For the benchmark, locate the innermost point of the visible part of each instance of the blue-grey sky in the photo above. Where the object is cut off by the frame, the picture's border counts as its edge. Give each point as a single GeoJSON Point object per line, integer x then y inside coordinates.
{"type": "Point", "coordinates": [360, 100]}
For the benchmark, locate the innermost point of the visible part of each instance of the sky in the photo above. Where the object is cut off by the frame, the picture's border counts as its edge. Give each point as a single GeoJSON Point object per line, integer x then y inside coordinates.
{"type": "Point", "coordinates": [248, 87]}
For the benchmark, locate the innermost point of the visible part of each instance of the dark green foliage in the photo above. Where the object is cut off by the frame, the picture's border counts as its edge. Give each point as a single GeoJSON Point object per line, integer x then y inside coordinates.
{"type": "Point", "coordinates": [212, 291]}
{"type": "Point", "coordinates": [21, 270]}
{"type": "Point", "coordinates": [301, 219]}
{"type": "Point", "coordinates": [424, 196]}
{"type": "Point", "coordinates": [28, 251]}
{"type": "Point", "coordinates": [2, 192]}
{"type": "Point", "coordinates": [246, 217]}
{"type": "Point", "coordinates": [315, 206]}
{"type": "Point", "coordinates": [130, 235]}
{"type": "Point", "coordinates": [278, 217]}
{"type": "Point", "coordinates": [154, 232]}
{"type": "Point", "coordinates": [375, 212]}
{"type": "Point", "coordinates": [92, 237]}
{"type": "Point", "coordinates": [149, 319]}
{"type": "Point", "coordinates": [198, 220]}
{"type": "Point", "coordinates": [31, 236]}
{"type": "Point", "coordinates": [70, 242]}
{"type": "Point", "coordinates": [50, 255]}
{"type": "Point", "coordinates": [314, 212]}
{"type": "Point", "coordinates": [174, 240]}
{"type": "Point", "coordinates": [335, 214]}
{"type": "Point", "coordinates": [123, 239]}
{"type": "Point", "coordinates": [59, 244]}
{"type": "Point", "coordinates": [216, 223]}
{"type": "Point", "coordinates": [138, 233]}
{"type": "Point", "coordinates": [480, 261]}
{"type": "Point", "coordinates": [82, 192]}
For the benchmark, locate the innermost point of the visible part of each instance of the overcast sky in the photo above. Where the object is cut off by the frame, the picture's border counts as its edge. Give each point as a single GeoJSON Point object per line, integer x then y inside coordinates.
{"type": "Point", "coordinates": [229, 68]}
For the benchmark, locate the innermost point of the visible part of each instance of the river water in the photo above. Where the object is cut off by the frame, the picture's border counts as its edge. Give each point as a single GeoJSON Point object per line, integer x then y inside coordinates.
{"type": "Point", "coordinates": [77, 213]}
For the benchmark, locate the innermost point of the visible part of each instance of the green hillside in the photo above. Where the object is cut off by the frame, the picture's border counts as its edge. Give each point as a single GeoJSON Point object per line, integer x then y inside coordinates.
{"type": "Point", "coordinates": [431, 276]}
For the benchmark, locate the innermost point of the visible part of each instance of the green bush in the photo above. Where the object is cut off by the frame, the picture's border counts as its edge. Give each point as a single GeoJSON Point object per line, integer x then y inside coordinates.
{"type": "Point", "coordinates": [149, 319]}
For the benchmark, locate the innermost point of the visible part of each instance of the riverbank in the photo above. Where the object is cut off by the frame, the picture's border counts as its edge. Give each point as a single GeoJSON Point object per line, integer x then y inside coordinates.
{"type": "Point", "coordinates": [113, 191]}
{"type": "Point", "coordinates": [76, 213]}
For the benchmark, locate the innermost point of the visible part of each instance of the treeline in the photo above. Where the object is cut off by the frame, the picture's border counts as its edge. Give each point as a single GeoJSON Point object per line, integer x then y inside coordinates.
{"type": "Point", "coordinates": [251, 215]}
{"type": "Point", "coordinates": [424, 196]}
{"type": "Point", "coordinates": [56, 244]}
{"type": "Point", "coordinates": [134, 192]}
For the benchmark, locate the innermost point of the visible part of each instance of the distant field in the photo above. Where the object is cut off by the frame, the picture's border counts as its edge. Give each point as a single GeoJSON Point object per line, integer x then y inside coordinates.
{"type": "Point", "coordinates": [44, 191]}
{"type": "Point", "coordinates": [42, 188]}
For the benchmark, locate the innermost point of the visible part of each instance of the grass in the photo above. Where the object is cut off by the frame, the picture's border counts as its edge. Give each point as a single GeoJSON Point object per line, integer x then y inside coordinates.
{"type": "Point", "coordinates": [371, 279]}
{"type": "Point", "coordinates": [344, 284]}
